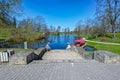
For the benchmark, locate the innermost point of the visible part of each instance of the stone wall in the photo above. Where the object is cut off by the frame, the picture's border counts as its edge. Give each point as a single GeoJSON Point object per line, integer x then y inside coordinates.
{"type": "Point", "coordinates": [106, 57]}
{"type": "Point", "coordinates": [99, 55]}
{"type": "Point", "coordinates": [42, 53]}
{"type": "Point", "coordinates": [21, 58]}
{"type": "Point", "coordinates": [25, 57]}
{"type": "Point", "coordinates": [39, 53]}
{"type": "Point", "coordinates": [81, 51]}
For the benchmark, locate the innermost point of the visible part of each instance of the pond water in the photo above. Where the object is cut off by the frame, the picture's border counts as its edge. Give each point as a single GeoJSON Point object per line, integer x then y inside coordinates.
{"type": "Point", "coordinates": [56, 42]}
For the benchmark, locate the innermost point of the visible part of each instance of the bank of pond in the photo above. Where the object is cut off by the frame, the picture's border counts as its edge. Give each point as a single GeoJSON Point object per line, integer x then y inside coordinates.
{"type": "Point", "coordinates": [56, 42]}
{"type": "Point", "coordinates": [61, 42]}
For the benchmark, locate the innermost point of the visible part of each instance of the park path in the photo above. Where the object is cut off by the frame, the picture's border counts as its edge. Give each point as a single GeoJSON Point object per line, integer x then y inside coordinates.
{"type": "Point", "coordinates": [65, 68]}
{"type": "Point", "coordinates": [45, 70]}
{"type": "Point", "coordinates": [103, 42]}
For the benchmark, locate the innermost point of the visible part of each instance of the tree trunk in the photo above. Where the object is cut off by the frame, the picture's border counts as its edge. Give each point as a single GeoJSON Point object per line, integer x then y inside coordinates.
{"type": "Point", "coordinates": [113, 35]}
{"type": "Point", "coordinates": [96, 36]}
{"type": "Point", "coordinates": [113, 32]}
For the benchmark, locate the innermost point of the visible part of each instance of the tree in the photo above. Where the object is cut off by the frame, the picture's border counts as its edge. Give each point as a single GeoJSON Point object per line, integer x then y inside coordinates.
{"type": "Point", "coordinates": [14, 21]}
{"type": "Point", "coordinates": [51, 28]}
{"type": "Point", "coordinates": [88, 24]}
{"type": "Point", "coordinates": [38, 22]}
{"type": "Point", "coordinates": [58, 30]}
{"type": "Point", "coordinates": [119, 25]}
{"type": "Point", "coordinates": [110, 11]}
{"type": "Point", "coordinates": [78, 27]}
{"type": "Point", "coordinates": [7, 9]}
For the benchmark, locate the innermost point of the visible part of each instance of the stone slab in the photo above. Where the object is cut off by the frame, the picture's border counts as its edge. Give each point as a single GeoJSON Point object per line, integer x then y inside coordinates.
{"type": "Point", "coordinates": [106, 57]}
{"type": "Point", "coordinates": [61, 54]}
{"type": "Point", "coordinates": [21, 58]}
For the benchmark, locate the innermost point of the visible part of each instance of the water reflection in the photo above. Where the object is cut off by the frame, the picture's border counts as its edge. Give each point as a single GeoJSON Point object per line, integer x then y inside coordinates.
{"type": "Point", "coordinates": [60, 42]}
{"type": "Point", "coordinates": [56, 42]}
{"type": "Point", "coordinates": [62, 39]}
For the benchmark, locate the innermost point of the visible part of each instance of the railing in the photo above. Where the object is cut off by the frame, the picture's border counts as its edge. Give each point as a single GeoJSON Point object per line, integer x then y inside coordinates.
{"type": "Point", "coordinates": [4, 55]}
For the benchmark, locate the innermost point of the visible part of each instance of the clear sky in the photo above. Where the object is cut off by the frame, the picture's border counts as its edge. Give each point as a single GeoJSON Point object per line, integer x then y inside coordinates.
{"type": "Point", "coordinates": [64, 13]}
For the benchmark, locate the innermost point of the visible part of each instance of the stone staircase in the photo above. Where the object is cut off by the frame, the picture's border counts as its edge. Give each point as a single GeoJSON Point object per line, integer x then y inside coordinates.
{"type": "Point", "coordinates": [72, 55]}
{"type": "Point", "coordinates": [61, 54]}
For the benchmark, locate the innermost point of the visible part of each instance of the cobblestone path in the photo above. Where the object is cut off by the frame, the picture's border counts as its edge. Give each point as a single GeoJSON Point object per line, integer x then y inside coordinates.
{"type": "Point", "coordinates": [50, 70]}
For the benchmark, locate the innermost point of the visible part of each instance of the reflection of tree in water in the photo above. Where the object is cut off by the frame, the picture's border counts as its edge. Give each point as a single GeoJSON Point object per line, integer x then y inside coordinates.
{"type": "Point", "coordinates": [66, 38]}
{"type": "Point", "coordinates": [70, 38]}
{"type": "Point", "coordinates": [53, 39]}
{"type": "Point", "coordinates": [58, 38]}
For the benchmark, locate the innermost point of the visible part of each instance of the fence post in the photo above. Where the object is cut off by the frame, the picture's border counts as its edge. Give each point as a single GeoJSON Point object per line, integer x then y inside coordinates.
{"type": "Point", "coordinates": [25, 45]}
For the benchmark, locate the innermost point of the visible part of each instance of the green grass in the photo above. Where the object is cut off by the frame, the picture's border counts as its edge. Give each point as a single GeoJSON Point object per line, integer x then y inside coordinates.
{"type": "Point", "coordinates": [112, 48]}
{"type": "Point", "coordinates": [17, 50]}
{"type": "Point", "coordinates": [106, 47]}
{"type": "Point", "coordinates": [106, 38]}
{"type": "Point", "coordinates": [110, 35]}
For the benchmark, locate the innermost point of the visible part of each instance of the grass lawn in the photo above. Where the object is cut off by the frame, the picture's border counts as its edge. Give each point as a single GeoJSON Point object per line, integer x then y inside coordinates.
{"type": "Point", "coordinates": [106, 47]}
{"type": "Point", "coordinates": [17, 50]}
{"type": "Point", "coordinates": [108, 38]}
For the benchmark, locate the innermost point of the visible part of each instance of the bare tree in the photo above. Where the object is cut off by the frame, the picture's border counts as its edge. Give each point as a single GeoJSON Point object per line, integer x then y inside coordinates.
{"type": "Point", "coordinates": [38, 22]}
{"type": "Point", "coordinates": [88, 24]}
{"type": "Point", "coordinates": [51, 28]}
{"type": "Point", "coordinates": [110, 11]}
{"type": "Point", "coordinates": [78, 27]}
{"type": "Point", "coordinates": [119, 25]}
{"type": "Point", "coordinates": [8, 8]}
{"type": "Point", "coordinates": [58, 29]}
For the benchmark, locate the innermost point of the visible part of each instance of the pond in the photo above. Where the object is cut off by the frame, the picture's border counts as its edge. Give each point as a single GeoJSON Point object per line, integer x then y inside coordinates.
{"type": "Point", "coordinates": [56, 42]}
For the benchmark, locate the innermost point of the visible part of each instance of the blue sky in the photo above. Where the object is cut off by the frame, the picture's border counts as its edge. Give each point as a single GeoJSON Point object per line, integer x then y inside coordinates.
{"type": "Point", "coordinates": [64, 13]}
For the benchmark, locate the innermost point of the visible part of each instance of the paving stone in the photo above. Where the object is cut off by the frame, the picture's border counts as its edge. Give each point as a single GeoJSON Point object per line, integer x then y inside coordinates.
{"type": "Point", "coordinates": [43, 70]}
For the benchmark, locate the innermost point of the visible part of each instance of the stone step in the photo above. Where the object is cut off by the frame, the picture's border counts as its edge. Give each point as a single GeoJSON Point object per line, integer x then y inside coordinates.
{"type": "Point", "coordinates": [65, 61]}
{"type": "Point", "coordinates": [61, 54]}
